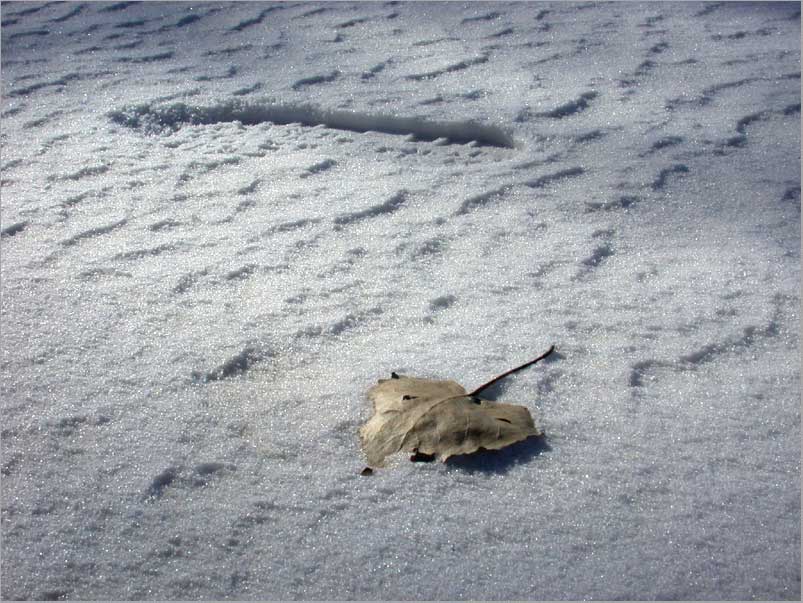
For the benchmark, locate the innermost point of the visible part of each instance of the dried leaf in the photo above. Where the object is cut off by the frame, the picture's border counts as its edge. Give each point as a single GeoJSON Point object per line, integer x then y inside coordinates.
{"type": "Point", "coordinates": [429, 417]}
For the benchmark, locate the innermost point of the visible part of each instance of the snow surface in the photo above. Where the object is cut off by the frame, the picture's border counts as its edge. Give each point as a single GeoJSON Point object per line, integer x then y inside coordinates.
{"type": "Point", "coordinates": [222, 223]}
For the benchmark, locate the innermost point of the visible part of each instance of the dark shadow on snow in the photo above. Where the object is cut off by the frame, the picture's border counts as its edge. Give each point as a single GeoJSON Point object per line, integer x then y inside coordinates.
{"type": "Point", "coordinates": [501, 461]}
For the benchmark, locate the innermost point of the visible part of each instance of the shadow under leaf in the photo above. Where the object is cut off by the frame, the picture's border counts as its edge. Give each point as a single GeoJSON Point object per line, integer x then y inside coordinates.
{"type": "Point", "coordinates": [503, 460]}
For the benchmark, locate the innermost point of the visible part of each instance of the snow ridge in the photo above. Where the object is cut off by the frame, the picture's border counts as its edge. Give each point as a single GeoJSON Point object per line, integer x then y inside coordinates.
{"type": "Point", "coordinates": [167, 119]}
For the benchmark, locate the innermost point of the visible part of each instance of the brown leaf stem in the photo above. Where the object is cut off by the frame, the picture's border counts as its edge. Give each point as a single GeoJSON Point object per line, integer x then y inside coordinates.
{"type": "Point", "coordinates": [511, 371]}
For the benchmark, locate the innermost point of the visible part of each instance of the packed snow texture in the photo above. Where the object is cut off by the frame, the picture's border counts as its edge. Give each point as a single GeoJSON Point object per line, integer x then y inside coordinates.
{"type": "Point", "coordinates": [222, 223]}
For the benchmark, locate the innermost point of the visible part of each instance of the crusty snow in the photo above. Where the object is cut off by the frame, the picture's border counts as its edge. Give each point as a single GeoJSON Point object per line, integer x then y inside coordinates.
{"type": "Point", "coordinates": [222, 223]}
